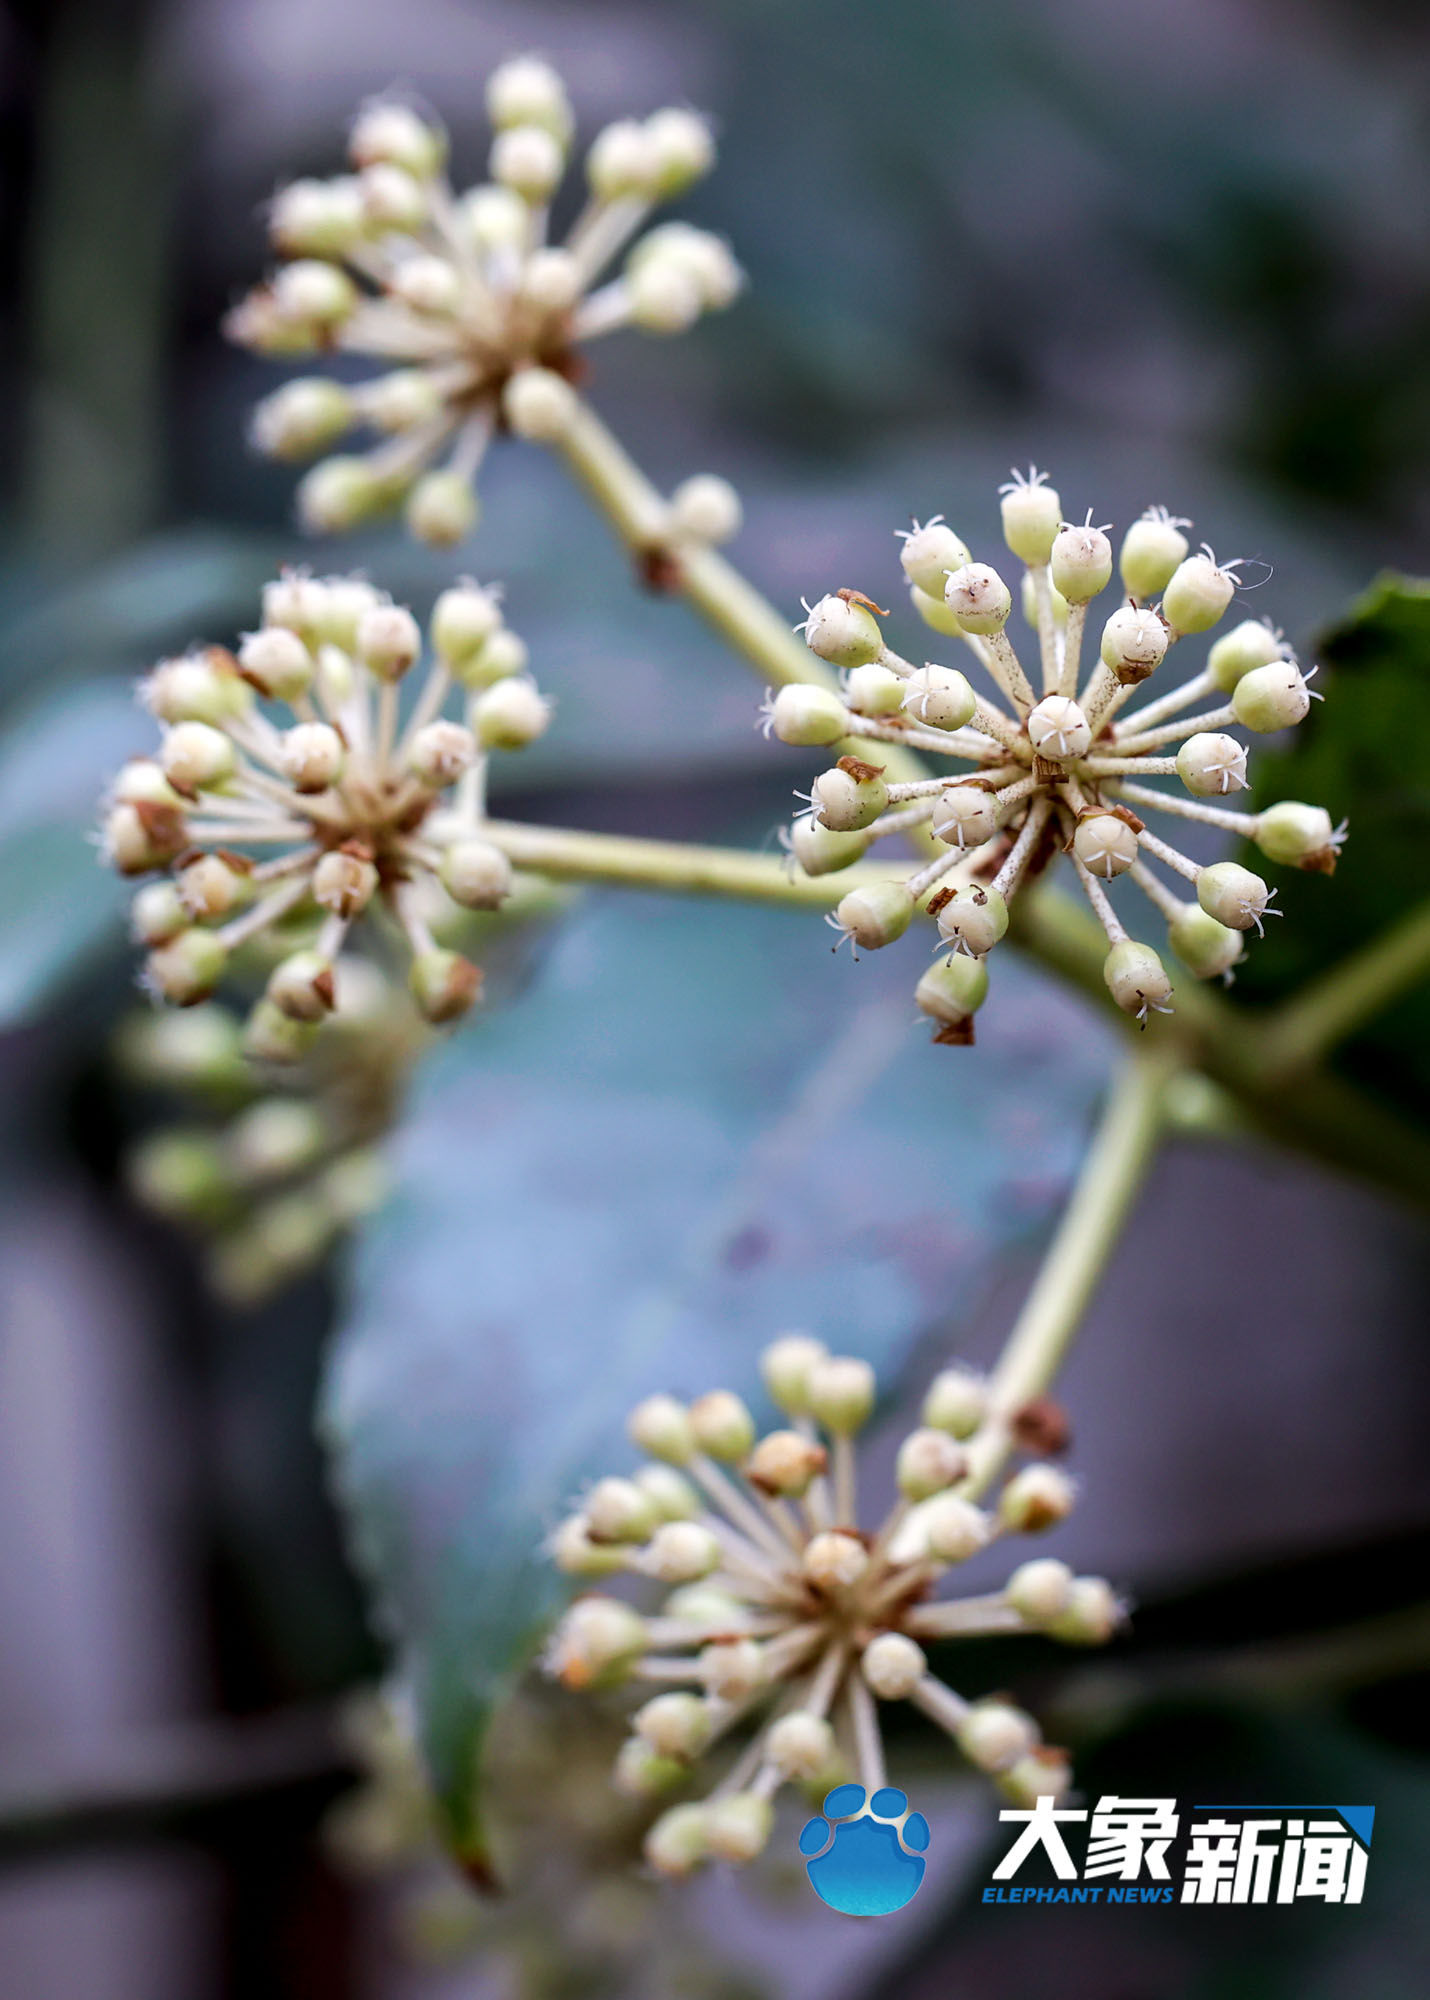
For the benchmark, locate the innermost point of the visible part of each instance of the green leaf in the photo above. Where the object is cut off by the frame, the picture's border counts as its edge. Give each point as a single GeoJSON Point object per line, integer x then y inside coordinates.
{"type": "Point", "coordinates": [693, 1133]}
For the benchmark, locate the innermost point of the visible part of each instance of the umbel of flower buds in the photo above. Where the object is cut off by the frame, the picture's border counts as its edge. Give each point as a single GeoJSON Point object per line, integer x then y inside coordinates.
{"type": "Point", "coordinates": [1059, 755]}
{"type": "Point", "coordinates": [787, 1621]}
{"type": "Point", "coordinates": [311, 775]}
{"type": "Point", "coordinates": [476, 318]}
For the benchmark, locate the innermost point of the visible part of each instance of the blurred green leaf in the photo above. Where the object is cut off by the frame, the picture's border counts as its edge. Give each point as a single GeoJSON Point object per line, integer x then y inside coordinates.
{"type": "Point", "coordinates": [693, 1133]}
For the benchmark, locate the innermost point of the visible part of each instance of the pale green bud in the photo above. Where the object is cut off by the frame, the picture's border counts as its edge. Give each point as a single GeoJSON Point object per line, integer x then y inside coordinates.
{"type": "Point", "coordinates": [312, 218]}
{"type": "Point", "coordinates": [929, 555]}
{"type": "Point", "coordinates": [1247, 646]}
{"type": "Point", "coordinates": [271, 1036]}
{"type": "Point", "coordinates": [1207, 948]}
{"type": "Point", "coordinates": [723, 1428]}
{"type": "Point", "coordinates": [1137, 979]}
{"type": "Point", "coordinates": [575, 1554]}
{"type": "Point", "coordinates": [849, 796]}
{"type": "Point", "coordinates": [275, 1138]}
{"type": "Point", "coordinates": [738, 1827]}
{"type": "Point", "coordinates": [157, 914]}
{"type": "Point", "coordinates": [682, 147]}
{"type": "Point", "coordinates": [842, 1389]}
{"type": "Point", "coordinates": [1233, 895]}
{"type": "Point", "coordinates": [672, 1496]}
{"type": "Point", "coordinates": [706, 509]}
{"type": "Point", "coordinates": [302, 986]}
{"type": "Point", "coordinates": [622, 161]}
{"type": "Point", "coordinates": [187, 968]}
{"type": "Point", "coordinates": [676, 1844]}
{"type": "Point", "coordinates": [807, 716]}
{"type": "Point", "coordinates": [444, 984]}
{"type": "Point", "coordinates": [1035, 1499]}
{"type": "Point", "coordinates": [1058, 602]}
{"type": "Point", "coordinates": [539, 404]}
{"type": "Point", "coordinates": [339, 493]}
{"type": "Point", "coordinates": [1032, 515]}
{"type": "Point", "coordinates": [527, 91]}
{"type": "Point", "coordinates": [952, 1529]}
{"type": "Point", "coordinates": [314, 293]}
{"type": "Point", "coordinates": [394, 202]}
{"type": "Point", "coordinates": [1092, 1614]}
{"type": "Point", "coordinates": [874, 690]}
{"type": "Point", "coordinates": [641, 1772]}
{"type": "Point", "coordinates": [1152, 549]}
{"type": "Point", "coordinates": [819, 850]}
{"type": "Point", "coordinates": [978, 598]}
{"type": "Point", "coordinates": [1274, 697]}
{"type": "Point", "coordinates": [1080, 562]}
{"type": "Point", "coordinates": [951, 992]}
{"type": "Point", "coordinates": [939, 697]}
{"type": "Point", "coordinates": [179, 1175]}
{"type": "Point", "coordinates": [661, 1426]}
{"type": "Point", "coordinates": [1298, 835]}
{"type": "Point", "coordinates": [529, 160]}
{"type": "Point", "coordinates": [1197, 595]}
{"type": "Point", "coordinates": [842, 630]}
{"type": "Point", "coordinates": [956, 1401]}
{"type": "Point", "coordinates": [442, 509]}
{"type": "Point", "coordinates": [197, 757]}
{"type": "Point", "coordinates": [934, 612]}
{"type": "Point", "coordinates": [509, 715]}
{"type": "Point", "coordinates": [389, 133]}
{"type": "Point", "coordinates": [875, 915]}
{"type": "Point", "coordinates": [973, 920]}
{"type": "Point", "coordinates": [616, 1510]}
{"type": "Point", "coordinates": [785, 1368]}
{"type": "Point", "coordinates": [994, 1735]}
{"type": "Point", "coordinates": [675, 1725]}
{"type": "Point", "coordinates": [476, 874]}
{"type": "Point", "coordinates": [303, 417]}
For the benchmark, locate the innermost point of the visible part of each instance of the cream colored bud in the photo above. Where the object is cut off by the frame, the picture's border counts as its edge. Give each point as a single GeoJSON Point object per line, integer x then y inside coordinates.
{"type": "Point", "coordinates": [681, 1552]}
{"type": "Point", "coordinates": [874, 690]}
{"type": "Point", "coordinates": [1043, 1773]}
{"type": "Point", "coordinates": [1080, 562]}
{"type": "Point", "coordinates": [876, 915]}
{"type": "Point", "coordinates": [661, 1426]}
{"type": "Point", "coordinates": [675, 1725]}
{"type": "Point", "coordinates": [575, 1554]}
{"type": "Point", "coordinates": [682, 146]}
{"type": "Point", "coordinates": [539, 404]}
{"type": "Point", "coordinates": [1274, 697]}
{"type": "Point", "coordinates": [929, 1460]}
{"type": "Point", "coordinates": [994, 1735]}
{"type": "Point", "coordinates": [301, 418]}
{"type": "Point", "coordinates": [344, 884]}
{"type": "Point", "coordinates": [527, 91]}
{"type": "Point", "coordinates": [850, 796]}
{"type": "Point", "coordinates": [509, 715]}
{"type": "Point", "coordinates": [800, 1745]}
{"type": "Point", "coordinates": [1233, 895]}
{"type": "Point", "coordinates": [1035, 1499]}
{"type": "Point", "coordinates": [302, 987]}
{"type": "Point", "coordinates": [1152, 549]}
{"type": "Point", "coordinates": [476, 874]}
{"type": "Point", "coordinates": [529, 160]}
{"type": "Point", "coordinates": [1058, 729]}
{"type": "Point", "coordinates": [197, 757]}
{"type": "Point", "coordinates": [641, 1772]}
{"type": "Point", "coordinates": [187, 968]}
{"type": "Point", "coordinates": [157, 914]}
{"type": "Point", "coordinates": [1247, 646]}
{"type": "Point", "coordinates": [393, 134]}
{"type": "Point", "coordinates": [1197, 595]}
{"type": "Point", "coordinates": [311, 756]}
{"type": "Point", "coordinates": [1207, 948]}
{"type": "Point", "coordinates": [844, 632]}
{"type": "Point", "coordinates": [394, 202]}
{"type": "Point", "coordinates": [277, 663]}
{"type": "Point", "coordinates": [551, 281]}
{"type": "Point", "coordinates": [442, 509]}
{"type": "Point", "coordinates": [723, 1428]}
{"type": "Point", "coordinates": [622, 161]}
{"type": "Point", "coordinates": [738, 1827]}
{"type": "Point", "coordinates": [834, 1560]}
{"type": "Point", "coordinates": [973, 920]}
{"type": "Point", "coordinates": [676, 1844]}
{"type": "Point", "coordinates": [965, 816]}
{"type": "Point", "coordinates": [1211, 763]}
{"type": "Point", "coordinates": [339, 494]}
{"type": "Point", "coordinates": [440, 752]}
{"type": "Point", "coordinates": [939, 697]}
{"type": "Point", "coordinates": [785, 1368]}
{"type": "Point", "coordinates": [953, 1529]}
{"type": "Point", "coordinates": [1105, 845]}
{"type": "Point", "coordinates": [597, 1642]}
{"type": "Point", "coordinates": [1032, 515]}
{"type": "Point", "coordinates": [314, 293]}
{"type": "Point", "coordinates": [929, 556]}
{"type": "Point", "coordinates": [669, 1492]}
{"type": "Point", "coordinates": [311, 218]}
{"type": "Point", "coordinates": [808, 717]}
{"type": "Point", "coordinates": [1040, 1590]}
{"type": "Point", "coordinates": [978, 598]}
{"type": "Point", "coordinates": [1300, 836]}
{"type": "Point", "coordinates": [819, 850]}
{"type": "Point", "coordinates": [706, 509]}
{"type": "Point", "coordinates": [733, 1670]}
{"type": "Point", "coordinates": [841, 1391]}
{"type": "Point", "coordinates": [444, 984]}
{"type": "Point", "coordinates": [785, 1463]}
{"type": "Point", "coordinates": [617, 1511]}
{"type": "Point", "coordinates": [208, 887]}
{"type": "Point", "coordinates": [1091, 1615]}
{"type": "Point", "coordinates": [950, 992]}
{"type": "Point", "coordinates": [1134, 644]}
{"type": "Point", "coordinates": [893, 1665]}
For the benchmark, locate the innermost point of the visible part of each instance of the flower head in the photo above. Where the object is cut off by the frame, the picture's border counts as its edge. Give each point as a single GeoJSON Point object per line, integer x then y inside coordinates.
{"type": "Point", "coordinates": [787, 1618]}
{"type": "Point", "coordinates": [1055, 759]}
{"type": "Point", "coordinates": [293, 783]}
{"type": "Point", "coordinates": [476, 317]}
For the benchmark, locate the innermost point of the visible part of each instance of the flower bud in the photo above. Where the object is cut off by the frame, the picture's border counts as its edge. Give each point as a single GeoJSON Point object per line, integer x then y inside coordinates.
{"type": "Point", "coordinates": [1232, 894]}
{"type": "Point", "coordinates": [850, 796]}
{"type": "Point", "coordinates": [276, 1137]}
{"type": "Point", "coordinates": [1134, 644]}
{"type": "Point", "coordinates": [956, 1401]}
{"type": "Point", "coordinates": [738, 1827]}
{"type": "Point", "coordinates": [1196, 595]}
{"type": "Point", "coordinates": [138, 838]}
{"type": "Point", "coordinates": [951, 992]}
{"type": "Point", "coordinates": [575, 1554]}
{"type": "Point", "coordinates": [208, 887]}
{"type": "Point", "coordinates": [785, 1368]}
{"type": "Point", "coordinates": [463, 619]}
{"type": "Point", "coordinates": [834, 1560]}
{"type": "Point", "coordinates": [674, 1725]}
{"type": "Point", "coordinates": [1043, 1773]}
{"type": "Point", "coordinates": [509, 715]}
{"type": "Point", "coordinates": [675, 1845]}
{"type": "Point", "coordinates": [706, 508]}
{"type": "Point", "coordinates": [661, 1426]}
{"type": "Point", "coordinates": [622, 161]}
{"type": "Point", "coordinates": [994, 1735]}
{"type": "Point", "coordinates": [1207, 948]}
{"type": "Point", "coordinates": [476, 874]}
{"type": "Point", "coordinates": [784, 1463]}
{"type": "Point", "coordinates": [528, 160]}
{"type": "Point", "coordinates": [800, 1745]}
{"type": "Point", "coordinates": [705, 1604]}
{"type": "Point", "coordinates": [344, 884]}
{"type": "Point", "coordinates": [551, 281]}
{"type": "Point", "coordinates": [1032, 515]}
{"type": "Point", "coordinates": [1056, 599]}
{"type": "Point", "coordinates": [302, 986]}
{"type": "Point", "coordinates": [1298, 835]}
{"type": "Point", "coordinates": [539, 404]}
{"type": "Point", "coordinates": [157, 914]}
{"type": "Point", "coordinates": [617, 1511]}
{"type": "Point", "coordinates": [1274, 697]}
{"type": "Point", "coordinates": [664, 296]}
{"type": "Point", "coordinates": [722, 1426]}
{"type": "Point", "coordinates": [388, 641]}
{"type": "Point", "coordinates": [1091, 1616]}
{"type": "Point", "coordinates": [527, 91]}
{"type": "Point", "coordinates": [934, 612]}
{"type": "Point", "coordinates": [1211, 763]}
{"type": "Point", "coordinates": [442, 509]}
{"type": "Point", "coordinates": [271, 1036]}
{"type": "Point", "coordinates": [187, 968]}
{"type": "Point", "coordinates": [312, 218]}
{"type": "Point", "coordinates": [303, 417]}
{"type": "Point", "coordinates": [1057, 728]}
{"type": "Point", "coordinates": [394, 202]}
{"type": "Point", "coordinates": [807, 716]}
{"type": "Point", "coordinates": [841, 1392]}
{"type": "Point", "coordinates": [388, 133]}
{"type": "Point", "coordinates": [681, 1552]}
{"type": "Point", "coordinates": [426, 283]}
{"type": "Point", "coordinates": [939, 697]}
{"type": "Point", "coordinates": [1136, 978]}
{"type": "Point", "coordinates": [314, 293]}
{"type": "Point", "coordinates": [965, 816]}
{"type": "Point", "coordinates": [1152, 548]}
{"type": "Point", "coordinates": [1036, 1498]}
{"type": "Point", "coordinates": [179, 1175]}
{"type": "Point", "coordinates": [672, 1496]}
{"type": "Point", "coordinates": [875, 915]}
{"type": "Point", "coordinates": [952, 1529]}
{"type": "Point", "coordinates": [196, 757]}
{"type": "Point", "coordinates": [928, 557]}
{"type": "Point", "coordinates": [444, 985]}
{"type": "Point", "coordinates": [339, 494]}
{"type": "Point", "coordinates": [1247, 646]}
{"type": "Point", "coordinates": [1105, 844]}
{"type": "Point", "coordinates": [682, 146]}
{"type": "Point", "coordinates": [141, 782]}
{"type": "Point", "coordinates": [311, 756]}
{"type": "Point", "coordinates": [843, 631]}
{"type": "Point", "coordinates": [1080, 562]}
{"type": "Point", "coordinates": [733, 1669]}
{"type": "Point", "coordinates": [641, 1772]}
{"type": "Point", "coordinates": [596, 1643]}
{"type": "Point", "coordinates": [200, 687]}
{"type": "Point", "coordinates": [928, 1462]}
{"type": "Point", "coordinates": [441, 751]}
{"type": "Point", "coordinates": [1040, 1590]}
{"type": "Point", "coordinates": [277, 663]}
{"type": "Point", "coordinates": [405, 399]}
{"type": "Point", "coordinates": [978, 598]}
{"type": "Point", "coordinates": [973, 920]}
{"type": "Point", "coordinates": [819, 850]}
{"type": "Point", "coordinates": [497, 659]}
{"type": "Point", "coordinates": [893, 1666]}
{"type": "Point", "coordinates": [873, 690]}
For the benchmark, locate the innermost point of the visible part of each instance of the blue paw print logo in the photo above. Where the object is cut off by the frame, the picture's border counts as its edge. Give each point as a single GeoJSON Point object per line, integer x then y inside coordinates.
{"type": "Point", "coordinates": [866, 1856]}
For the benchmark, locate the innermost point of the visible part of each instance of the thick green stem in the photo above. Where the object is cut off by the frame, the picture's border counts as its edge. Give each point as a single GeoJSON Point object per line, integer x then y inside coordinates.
{"type": "Point", "coordinates": [1310, 1024]}
{"type": "Point", "coordinates": [1106, 1187]}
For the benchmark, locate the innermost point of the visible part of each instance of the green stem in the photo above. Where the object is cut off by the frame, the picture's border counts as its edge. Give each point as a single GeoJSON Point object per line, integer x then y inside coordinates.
{"type": "Point", "coordinates": [1332, 1007]}
{"type": "Point", "coordinates": [1088, 1233]}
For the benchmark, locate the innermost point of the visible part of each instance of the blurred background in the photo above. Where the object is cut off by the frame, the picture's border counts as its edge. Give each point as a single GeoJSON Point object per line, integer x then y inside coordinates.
{"type": "Point", "coordinates": [1177, 253]}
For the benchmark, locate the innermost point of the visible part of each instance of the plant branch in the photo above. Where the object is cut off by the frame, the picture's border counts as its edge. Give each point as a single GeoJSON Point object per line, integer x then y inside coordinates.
{"type": "Point", "coordinates": [1309, 1024]}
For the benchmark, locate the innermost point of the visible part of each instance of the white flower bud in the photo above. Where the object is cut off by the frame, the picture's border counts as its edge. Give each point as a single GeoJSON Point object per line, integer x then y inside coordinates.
{"type": "Point", "coordinates": [463, 619]}
{"type": "Point", "coordinates": [301, 986]}
{"type": "Point", "coordinates": [1029, 594]}
{"type": "Point", "coordinates": [208, 887]}
{"type": "Point", "coordinates": [875, 915]}
{"type": "Point", "coordinates": [291, 601]}
{"type": "Point", "coordinates": [596, 1643]}
{"type": "Point", "coordinates": [698, 255]}
{"type": "Point", "coordinates": [196, 757]}
{"type": "Point", "coordinates": [873, 690]}
{"type": "Point", "coordinates": [956, 1401]}
{"type": "Point", "coordinates": [681, 1552]}
{"type": "Point", "coordinates": [427, 283]}
{"type": "Point", "coordinates": [843, 631]}
{"type": "Point", "coordinates": [1134, 644]}
{"type": "Point", "coordinates": [1247, 646]}
{"type": "Point", "coordinates": [1152, 549]}
{"type": "Point", "coordinates": [1032, 515]}
{"type": "Point", "coordinates": [841, 1391]}
{"type": "Point", "coordinates": [785, 1366]}
{"type": "Point", "coordinates": [394, 202]}
{"type": "Point", "coordinates": [271, 1036]}
{"type": "Point", "coordinates": [1043, 1773]}
{"type": "Point", "coordinates": [674, 1725]}
{"type": "Point", "coordinates": [1105, 844]}
{"type": "Point", "coordinates": [497, 659]}
{"type": "Point", "coordinates": [277, 663]}
{"type": "Point", "coordinates": [393, 134]}
{"type": "Point", "coordinates": [616, 1510]}
{"type": "Point", "coordinates": [965, 816]}
{"type": "Point", "coordinates": [706, 508]}
{"type": "Point", "coordinates": [141, 781]}
{"type": "Point", "coordinates": [737, 1828]}
{"type": "Point", "coordinates": [539, 404]}
{"type": "Point", "coordinates": [834, 1560]}
{"type": "Point", "coordinates": [1040, 1590]}
{"type": "Point", "coordinates": [622, 161]}
{"type": "Point", "coordinates": [723, 1428]}
{"type": "Point", "coordinates": [1207, 949]}
{"type": "Point", "coordinates": [157, 914]}
{"type": "Point", "coordinates": [527, 91]}
{"type": "Point", "coordinates": [1057, 728]}
{"type": "Point", "coordinates": [276, 1137]}
{"type": "Point", "coordinates": [1136, 978]}
{"type": "Point", "coordinates": [785, 1463]}
{"type": "Point", "coordinates": [893, 1666]}
{"type": "Point", "coordinates": [661, 1426]}
{"type": "Point", "coordinates": [672, 1496]}
{"type": "Point", "coordinates": [388, 641]}
{"type": "Point", "coordinates": [808, 716]}
{"type": "Point", "coordinates": [706, 1604]}
{"type": "Point", "coordinates": [140, 837]}
{"type": "Point", "coordinates": [1233, 895]}
{"type": "Point", "coordinates": [939, 697]}
{"type": "Point", "coordinates": [339, 494]}
{"type": "Point", "coordinates": [494, 218]}
{"type": "Point", "coordinates": [800, 1745]}
{"type": "Point", "coordinates": [973, 920]}
{"type": "Point", "coordinates": [344, 884]}
{"type": "Point", "coordinates": [441, 751]}
{"type": "Point", "coordinates": [1212, 763]}
{"type": "Point", "coordinates": [1197, 595]}
{"type": "Point", "coordinates": [509, 715]}
{"type": "Point", "coordinates": [303, 417]}
{"type": "Point", "coordinates": [1080, 562]}
{"type": "Point", "coordinates": [819, 850]}
{"type": "Point", "coordinates": [1298, 835]}
{"type": "Point", "coordinates": [444, 984]}
{"type": "Point", "coordinates": [529, 160]}
{"type": "Point", "coordinates": [683, 148]}
{"type": "Point", "coordinates": [311, 218]}
{"type": "Point", "coordinates": [929, 1461]}
{"type": "Point", "coordinates": [978, 598]}
{"type": "Point", "coordinates": [476, 874]}
{"type": "Point", "coordinates": [676, 1845]}
{"type": "Point", "coordinates": [952, 1529]}
{"type": "Point", "coordinates": [1036, 1498]}
{"type": "Point", "coordinates": [1091, 1616]}
{"type": "Point", "coordinates": [314, 294]}
{"type": "Point", "coordinates": [733, 1669]}
{"type": "Point", "coordinates": [850, 796]}
{"type": "Point", "coordinates": [641, 1772]}
{"type": "Point", "coordinates": [200, 687]}
{"type": "Point", "coordinates": [187, 968]}
{"type": "Point", "coordinates": [1274, 697]}
{"type": "Point", "coordinates": [551, 281]}
{"type": "Point", "coordinates": [994, 1735]}
{"type": "Point", "coordinates": [442, 509]}
{"type": "Point", "coordinates": [664, 296]}
{"type": "Point", "coordinates": [951, 992]}
{"type": "Point", "coordinates": [929, 555]}
{"type": "Point", "coordinates": [311, 756]}
{"type": "Point", "coordinates": [575, 1554]}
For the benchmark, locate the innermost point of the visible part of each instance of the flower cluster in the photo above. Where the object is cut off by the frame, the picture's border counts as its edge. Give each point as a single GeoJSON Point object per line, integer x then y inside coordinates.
{"type": "Point", "coordinates": [294, 785]}
{"type": "Point", "coordinates": [1057, 761]}
{"type": "Point", "coordinates": [478, 318]}
{"type": "Point", "coordinates": [781, 1608]}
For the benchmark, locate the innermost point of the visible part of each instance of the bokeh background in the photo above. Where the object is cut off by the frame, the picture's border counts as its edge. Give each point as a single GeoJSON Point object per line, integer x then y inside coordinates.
{"type": "Point", "coordinates": [1177, 252]}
